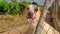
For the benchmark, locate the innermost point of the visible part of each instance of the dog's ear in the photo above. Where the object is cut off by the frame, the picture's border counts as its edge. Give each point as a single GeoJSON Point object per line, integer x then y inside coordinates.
{"type": "Point", "coordinates": [22, 6]}
{"type": "Point", "coordinates": [40, 9]}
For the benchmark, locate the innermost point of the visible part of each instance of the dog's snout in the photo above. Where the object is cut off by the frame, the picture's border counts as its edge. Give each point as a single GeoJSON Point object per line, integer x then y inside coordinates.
{"type": "Point", "coordinates": [30, 13]}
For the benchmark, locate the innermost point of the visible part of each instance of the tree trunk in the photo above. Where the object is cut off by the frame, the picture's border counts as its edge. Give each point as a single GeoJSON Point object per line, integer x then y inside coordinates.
{"type": "Point", "coordinates": [42, 19]}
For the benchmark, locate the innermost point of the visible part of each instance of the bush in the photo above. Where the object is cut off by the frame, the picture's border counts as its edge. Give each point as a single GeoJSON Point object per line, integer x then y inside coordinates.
{"type": "Point", "coordinates": [35, 3]}
{"type": "Point", "coordinates": [3, 6]}
{"type": "Point", "coordinates": [25, 2]}
{"type": "Point", "coordinates": [41, 6]}
{"type": "Point", "coordinates": [14, 7]}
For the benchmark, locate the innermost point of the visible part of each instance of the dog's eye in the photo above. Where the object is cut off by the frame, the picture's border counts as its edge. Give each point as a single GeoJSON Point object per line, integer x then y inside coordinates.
{"type": "Point", "coordinates": [36, 9]}
{"type": "Point", "coordinates": [27, 8]}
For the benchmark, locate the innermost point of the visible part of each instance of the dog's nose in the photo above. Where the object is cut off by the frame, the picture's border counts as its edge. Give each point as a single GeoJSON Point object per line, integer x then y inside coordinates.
{"type": "Point", "coordinates": [30, 14]}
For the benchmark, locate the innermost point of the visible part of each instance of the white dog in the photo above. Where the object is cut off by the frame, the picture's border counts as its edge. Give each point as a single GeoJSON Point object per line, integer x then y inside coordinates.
{"type": "Point", "coordinates": [33, 13]}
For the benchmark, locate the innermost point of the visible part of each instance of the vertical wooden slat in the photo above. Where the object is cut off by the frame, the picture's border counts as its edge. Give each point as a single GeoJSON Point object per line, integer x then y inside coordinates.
{"type": "Point", "coordinates": [42, 19]}
{"type": "Point", "coordinates": [54, 14]}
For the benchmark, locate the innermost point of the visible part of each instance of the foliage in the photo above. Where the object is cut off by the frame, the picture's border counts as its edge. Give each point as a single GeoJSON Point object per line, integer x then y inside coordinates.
{"type": "Point", "coordinates": [50, 8]}
{"type": "Point", "coordinates": [41, 6]}
{"type": "Point", "coordinates": [3, 6]}
{"type": "Point", "coordinates": [25, 2]}
{"type": "Point", "coordinates": [14, 7]}
{"type": "Point", "coordinates": [35, 3]}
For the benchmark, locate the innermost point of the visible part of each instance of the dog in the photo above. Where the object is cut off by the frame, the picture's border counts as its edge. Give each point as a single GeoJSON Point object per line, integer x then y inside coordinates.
{"type": "Point", "coordinates": [32, 12]}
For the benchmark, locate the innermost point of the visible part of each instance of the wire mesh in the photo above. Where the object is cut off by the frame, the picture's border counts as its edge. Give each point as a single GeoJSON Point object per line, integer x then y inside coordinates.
{"type": "Point", "coordinates": [45, 29]}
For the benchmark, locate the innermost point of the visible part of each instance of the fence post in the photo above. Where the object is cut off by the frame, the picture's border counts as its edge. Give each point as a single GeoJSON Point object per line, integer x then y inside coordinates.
{"type": "Point", "coordinates": [42, 19]}
{"type": "Point", "coordinates": [54, 15]}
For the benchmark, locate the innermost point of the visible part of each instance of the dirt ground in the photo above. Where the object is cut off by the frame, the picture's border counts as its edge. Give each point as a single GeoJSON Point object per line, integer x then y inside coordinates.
{"type": "Point", "coordinates": [16, 24]}
{"type": "Point", "coordinates": [13, 24]}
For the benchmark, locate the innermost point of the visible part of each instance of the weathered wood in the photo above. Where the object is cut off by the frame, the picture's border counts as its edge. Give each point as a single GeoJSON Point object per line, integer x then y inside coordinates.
{"type": "Point", "coordinates": [36, 19]}
{"type": "Point", "coordinates": [42, 19]}
{"type": "Point", "coordinates": [54, 15]}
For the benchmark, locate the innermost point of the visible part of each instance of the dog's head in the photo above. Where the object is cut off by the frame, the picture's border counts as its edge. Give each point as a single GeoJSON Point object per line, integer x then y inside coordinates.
{"type": "Point", "coordinates": [31, 12]}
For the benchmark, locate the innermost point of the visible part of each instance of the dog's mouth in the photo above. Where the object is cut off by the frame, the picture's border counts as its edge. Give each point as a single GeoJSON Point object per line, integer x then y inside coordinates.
{"type": "Point", "coordinates": [30, 19]}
